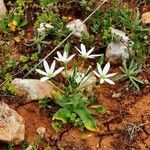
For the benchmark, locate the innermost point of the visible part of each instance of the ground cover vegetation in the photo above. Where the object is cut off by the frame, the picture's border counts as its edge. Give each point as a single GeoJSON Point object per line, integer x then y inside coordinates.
{"type": "Point", "coordinates": [78, 69]}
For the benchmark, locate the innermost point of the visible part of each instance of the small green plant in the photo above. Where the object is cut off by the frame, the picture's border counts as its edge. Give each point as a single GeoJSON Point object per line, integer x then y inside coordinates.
{"type": "Point", "coordinates": [77, 106]}
{"type": "Point", "coordinates": [58, 28]}
{"type": "Point", "coordinates": [12, 23]}
{"type": "Point", "coordinates": [8, 86]}
{"type": "Point", "coordinates": [38, 41]}
{"type": "Point", "coordinates": [130, 72]}
{"type": "Point", "coordinates": [87, 5]}
{"type": "Point", "coordinates": [45, 3]}
{"type": "Point", "coordinates": [10, 146]}
{"type": "Point", "coordinates": [57, 125]}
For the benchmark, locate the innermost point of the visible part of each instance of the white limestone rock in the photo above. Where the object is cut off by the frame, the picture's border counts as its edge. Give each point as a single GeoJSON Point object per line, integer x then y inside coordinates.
{"type": "Point", "coordinates": [3, 9]}
{"type": "Point", "coordinates": [121, 34]}
{"type": "Point", "coordinates": [12, 128]}
{"type": "Point", "coordinates": [120, 50]}
{"type": "Point", "coordinates": [81, 27]}
{"type": "Point", "coordinates": [33, 89]}
{"type": "Point", "coordinates": [146, 18]}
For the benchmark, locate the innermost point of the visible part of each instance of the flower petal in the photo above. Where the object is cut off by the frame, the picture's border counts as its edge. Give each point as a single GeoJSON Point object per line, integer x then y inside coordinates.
{"type": "Point", "coordinates": [69, 58]}
{"type": "Point", "coordinates": [58, 71]}
{"type": "Point", "coordinates": [90, 51]}
{"type": "Point", "coordinates": [83, 48]}
{"type": "Point", "coordinates": [41, 72]}
{"type": "Point", "coordinates": [99, 69]}
{"type": "Point", "coordinates": [46, 66]}
{"type": "Point", "coordinates": [96, 74]}
{"type": "Point", "coordinates": [110, 75]}
{"type": "Point", "coordinates": [42, 25]}
{"type": "Point", "coordinates": [44, 79]}
{"type": "Point", "coordinates": [59, 55]}
{"type": "Point", "coordinates": [106, 68]}
{"type": "Point", "coordinates": [57, 59]}
{"type": "Point", "coordinates": [78, 50]}
{"type": "Point", "coordinates": [94, 55]}
{"type": "Point", "coordinates": [109, 81]}
{"type": "Point", "coordinates": [53, 66]}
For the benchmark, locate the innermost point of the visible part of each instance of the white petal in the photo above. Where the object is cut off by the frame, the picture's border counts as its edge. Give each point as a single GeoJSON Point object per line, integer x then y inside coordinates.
{"type": "Point", "coordinates": [90, 51]}
{"type": "Point", "coordinates": [78, 50]}
{"type": "Point", "coordinates": [69, 58]}
{"type": "Point", "coordinates": [106, 68]}
{"type": "Point", "coordinates": [109, 81]}
{"type": "Point", "coordinates": [101, 81]}
{"type": "Point", "coordinates": [96, 74]}
{"type": "Point", "coordinates": [44, 79]}
{"type": "Point", "coordinates": [99, 68]}
{"type": "Point", "coordinates": [94, 55]}
{"type": "Point", "coordinates": [53, 66]}
{"type": "Point", "coordinates": [110, 75]}
{"type": "Point", "coordinates": [46, 66]}
{"type": "Point", "coordinates": [57, 59]}
{"type": "Point", "coordinates": [59, 55]}
{"type": "Point", "coordinates": [42, 25]}
{"type": "Point", "coordinates": [49, 26]}
{"type": "Point", "coordinates": [83, 48]}
{"type": "Point", "coordinates": [41, 30]}
{"type": "Point", "coordinates": [58, 71]}
{"type": "Point", "coordinates": [41, 72]}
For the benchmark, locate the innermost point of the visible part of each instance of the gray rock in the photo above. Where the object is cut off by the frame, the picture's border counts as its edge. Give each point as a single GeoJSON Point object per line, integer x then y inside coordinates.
{"type": "Point", "coordinates": [3, 9]}
{"type": "Point", "coordinates": [117, 52]}
{"type": "Point", "coordinates": [81, 27]}
{"type": "Point", "coordinates": [120, 50]}
{"type": "Point", "coordinates": [121, 34]}
{"type": "Point", "coordinates": [12, 128]}
{"type": "Point", "coordinates": [146, 18]}
{"type": "Point", "coordinates": [33, 89]}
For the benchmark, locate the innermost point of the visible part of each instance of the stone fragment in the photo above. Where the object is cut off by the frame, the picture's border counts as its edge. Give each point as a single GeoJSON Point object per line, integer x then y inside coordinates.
{"type": "Point", "coordinates": [3, 9]}
{"type": "Point", "coordinates": [146, 18]}
{"type": "Point", "coordinates": [33, 88]}
{"type": "Point", "coordinates": [12, 128]}
{"type": "Point", "coordinates": [41, 131]}
{"type": "Point", "coordinates": [116, 95]}
{"type": "Point", "coordinates": [120, 34]}
{"type": "Point", "coordinates": [79, 26]}
{"type": "Point", "coordinates": [116, 53]}
{"type": "Point", "coordinates": [120, 50]}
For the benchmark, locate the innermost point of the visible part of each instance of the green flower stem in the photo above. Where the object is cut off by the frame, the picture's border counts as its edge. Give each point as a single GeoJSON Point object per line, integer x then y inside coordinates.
{"type": "Point", "coordinates": [56, 87]}
{"type": "Point", "coordinates": [82, 65]}
{"type": "Point", "coordinates": [78, 90]}
{"type": "Point", "coordinates": [66, 70]}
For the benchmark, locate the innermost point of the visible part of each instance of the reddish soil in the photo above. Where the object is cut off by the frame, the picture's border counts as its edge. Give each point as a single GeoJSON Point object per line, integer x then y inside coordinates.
{"type": "Point", "coordinates": [125, 125]}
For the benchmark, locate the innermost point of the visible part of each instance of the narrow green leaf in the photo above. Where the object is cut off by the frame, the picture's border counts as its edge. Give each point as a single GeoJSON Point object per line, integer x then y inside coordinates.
{"type": "Point", "coordinates": [23, 23]}
{"type": "Point", "coordinates": [137, 80]}
{"type": "Point", "coordinates": [135, 84]}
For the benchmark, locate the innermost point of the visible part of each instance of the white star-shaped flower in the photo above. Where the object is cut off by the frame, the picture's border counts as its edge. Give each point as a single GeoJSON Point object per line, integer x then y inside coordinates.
{"type": "Point", "coordinates": [86, 54]}
{"type": "Point", "coordinates": [44, 26]}
{"type": "Point", "coordinates": [102, 74]}
{"type": "Point", "coordinates": [64, 58]}
{"type": "Point", "coordinates": [49, 71]}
